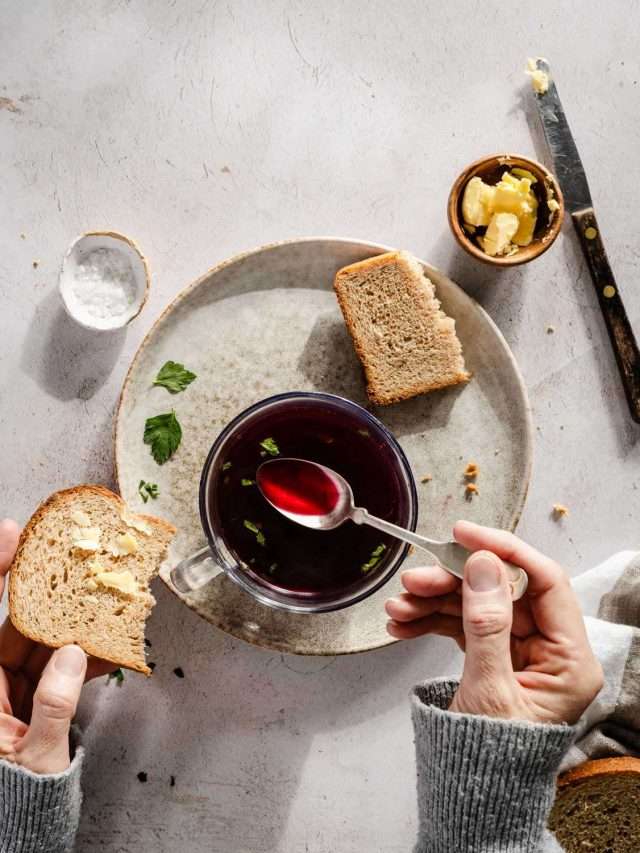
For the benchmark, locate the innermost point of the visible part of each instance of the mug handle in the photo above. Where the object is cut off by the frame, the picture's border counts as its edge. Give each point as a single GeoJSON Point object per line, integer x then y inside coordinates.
{"type": "Point", "coordinates": [195, 571]}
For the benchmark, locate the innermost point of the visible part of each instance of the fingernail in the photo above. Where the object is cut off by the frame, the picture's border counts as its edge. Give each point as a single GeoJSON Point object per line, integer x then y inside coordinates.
{"type": "Point", "coordinates": [483, 573]}
{"type": "Point", "coordinates": [70, 660]}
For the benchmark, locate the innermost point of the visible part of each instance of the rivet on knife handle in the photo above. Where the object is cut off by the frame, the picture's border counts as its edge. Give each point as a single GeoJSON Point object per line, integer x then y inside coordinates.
{"type": "Point", "coordinates": [621, 334]}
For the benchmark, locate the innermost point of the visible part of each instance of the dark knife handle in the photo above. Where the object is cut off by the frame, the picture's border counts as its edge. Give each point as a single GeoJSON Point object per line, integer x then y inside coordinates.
{"type": "Point", "coordinates": [621, 334]}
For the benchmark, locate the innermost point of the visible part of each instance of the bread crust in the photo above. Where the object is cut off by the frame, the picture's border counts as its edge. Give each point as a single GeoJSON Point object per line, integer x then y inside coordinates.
{"type": "Point", "coordinates": [58, 499]}
{"type": "Point", "coordinates": [410, 390]}
{"type": "Point", "coordinates": [600, 767]}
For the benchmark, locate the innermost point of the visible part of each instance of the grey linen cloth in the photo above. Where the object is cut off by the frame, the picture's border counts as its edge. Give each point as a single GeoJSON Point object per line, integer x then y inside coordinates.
{"type": "Point", "coordinates": [484, 785]}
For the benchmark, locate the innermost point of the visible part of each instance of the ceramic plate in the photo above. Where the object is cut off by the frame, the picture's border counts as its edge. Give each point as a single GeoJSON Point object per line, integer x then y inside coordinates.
{"type": "Point", "coordinates": [267, 322]}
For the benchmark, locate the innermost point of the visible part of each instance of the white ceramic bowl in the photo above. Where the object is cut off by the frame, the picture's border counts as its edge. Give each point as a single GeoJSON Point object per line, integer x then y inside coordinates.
{"type": "Point", "coordinates": [79, 272]}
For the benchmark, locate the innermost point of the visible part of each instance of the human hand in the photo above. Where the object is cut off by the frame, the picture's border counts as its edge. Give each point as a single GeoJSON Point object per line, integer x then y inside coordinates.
{"type": "Point", "coordinates": [527, 660]}
{"type": "Point", "coordinates": [39, 688]}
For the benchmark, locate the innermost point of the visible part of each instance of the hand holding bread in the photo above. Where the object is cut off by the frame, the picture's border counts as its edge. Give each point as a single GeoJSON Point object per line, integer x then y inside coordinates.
{"type": "Point", "coordinates": [39, 689]}
{"type": "Point", "coordinates": [79, 585]}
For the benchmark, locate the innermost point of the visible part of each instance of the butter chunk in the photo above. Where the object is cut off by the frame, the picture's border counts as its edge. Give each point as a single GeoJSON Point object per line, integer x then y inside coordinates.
{"type": "Point", "coordinates": [526, 227]}
{"type": "Point", "coordinates": [482, 204]}
{"type": "Point", "coordinates": [539, 81]}
{"type": "Point", "coordinates": [477, 202]}
{"type": "Point", "coordinates": [539, 78]}
{"type": "Point", "coordinates": [509, 200]}
{"type": "Point", "coordinates": [502, 228]}
{"type": "Point", "coordinates": [86, 538]}
{"type": "Point", "coordinates": [125, 544]}
{"type": "Point", "coordinates": [120, 581]}
{"type": "Point", "coordinates": [136, 522]}
{"type": "Point", "coordinates": [80, 518]}
{"type": "Point", "coordinates": [524, 173]}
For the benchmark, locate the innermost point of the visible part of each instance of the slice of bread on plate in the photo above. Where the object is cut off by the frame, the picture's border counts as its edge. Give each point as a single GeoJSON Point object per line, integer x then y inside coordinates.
{"type": "Point", "coordinates": [81, 574]}
{"type": "Point", "coordinates": [406, 343]}
{"type": "Point", "coordinates": [597, 806]}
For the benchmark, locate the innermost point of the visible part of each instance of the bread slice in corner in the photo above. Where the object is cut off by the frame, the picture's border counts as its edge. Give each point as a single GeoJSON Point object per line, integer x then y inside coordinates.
{"type": "Point", "coordinates": [406, 343]}
{"type": "Point", "coordinates": [81, 575]}
{"type": "Point", "coordinates": [596, 806]}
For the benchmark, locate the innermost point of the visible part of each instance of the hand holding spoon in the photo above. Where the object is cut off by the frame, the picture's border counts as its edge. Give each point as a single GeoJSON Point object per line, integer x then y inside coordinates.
{"type": "Point", "coordinates": [317, 497]}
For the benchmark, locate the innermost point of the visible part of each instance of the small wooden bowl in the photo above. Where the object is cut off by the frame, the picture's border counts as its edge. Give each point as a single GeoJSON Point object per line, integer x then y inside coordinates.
{"type": "Point", "coordinates": [490, 169]}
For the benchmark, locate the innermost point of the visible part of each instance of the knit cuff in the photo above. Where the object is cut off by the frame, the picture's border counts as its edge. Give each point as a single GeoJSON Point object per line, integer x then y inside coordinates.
{"type": "Point", "coordinates": [483, 784]}
{"type": "Point", "coordinates": [39, 812]}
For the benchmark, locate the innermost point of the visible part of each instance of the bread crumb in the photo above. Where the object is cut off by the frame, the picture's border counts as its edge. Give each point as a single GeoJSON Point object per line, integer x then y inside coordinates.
{"type": "Point", "coordinates": [426, 478]}
{"type": "Point", "coordinates": [470, 490]}
{"type": "Point", "coordinates": [35, 264]}
{"type": "Point", "coordinates": [560, 511]}
{"type": "Point", "coordinates": [411, 550]}
{"type": "Point", "coordinates": [550, 330]}
{"type": "Point", "coordinates": [471, 471]}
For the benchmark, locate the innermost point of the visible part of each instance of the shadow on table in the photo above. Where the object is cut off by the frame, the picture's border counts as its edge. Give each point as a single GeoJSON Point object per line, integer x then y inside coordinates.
{"type": "Point", "coordinates": [607, 384]}
{"type": "Point", "coordinates": [65, 359]}
{"type": "Point", "coordinates": [330, 363]}
{"type": "Point", "coordinates": [493, 288]}
{"type": "Point", "coordinates": [235, 733]}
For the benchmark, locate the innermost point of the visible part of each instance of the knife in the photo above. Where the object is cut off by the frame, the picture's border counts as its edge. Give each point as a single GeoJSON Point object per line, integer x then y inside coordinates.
{"type": "Point", "coordinates": [571, 176]}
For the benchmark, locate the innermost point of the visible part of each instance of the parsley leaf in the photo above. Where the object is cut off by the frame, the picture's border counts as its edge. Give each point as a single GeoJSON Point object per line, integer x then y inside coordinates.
{"type": "Point", "coordinates": [374, 559]}
{"type": "Point", "coordinates": [226, 466]}
{"type": "Point", "coordinates": [270, 446]}
{"type": "Point", "coordinates": [246, 482]}
{"type": "Point", "coordinates": [260, 539]}
{"type": "Point", "coordinates": [147, 490]}
{"type": "Point", "coordinates": [118, 674]}
{"type": "Point", "coordinates": [174, 377]}
{"type": "Point", "coordinates": [163, 433]}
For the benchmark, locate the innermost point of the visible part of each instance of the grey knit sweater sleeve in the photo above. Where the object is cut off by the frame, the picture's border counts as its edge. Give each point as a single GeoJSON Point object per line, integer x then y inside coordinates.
{"type": "Point", "coordinates": [39, 813]}
{"type": "Point", "coordinates": [484, 785]}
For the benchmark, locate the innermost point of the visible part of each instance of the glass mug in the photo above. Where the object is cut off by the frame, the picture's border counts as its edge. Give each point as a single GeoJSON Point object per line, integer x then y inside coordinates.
{"type": "Point", "coordinates": [381, 461]}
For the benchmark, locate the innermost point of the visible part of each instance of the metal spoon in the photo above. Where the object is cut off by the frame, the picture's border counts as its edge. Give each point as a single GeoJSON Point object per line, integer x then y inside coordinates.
{"type": "Point", "coordinates": [450, 555]}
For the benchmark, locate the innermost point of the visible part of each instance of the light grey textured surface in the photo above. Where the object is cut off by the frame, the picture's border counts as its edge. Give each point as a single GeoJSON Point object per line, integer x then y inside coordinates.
{"type": "Point", "coordinates": [204, 128]}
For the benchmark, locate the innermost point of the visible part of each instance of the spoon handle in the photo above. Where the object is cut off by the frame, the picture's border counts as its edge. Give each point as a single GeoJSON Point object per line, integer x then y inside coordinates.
{"type": "Point", "coordinates": [450, 555]}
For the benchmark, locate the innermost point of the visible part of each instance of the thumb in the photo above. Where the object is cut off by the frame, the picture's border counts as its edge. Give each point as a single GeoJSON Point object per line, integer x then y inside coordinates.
{"type": "Point", "coordinates": [45, 747]}
{"type": "Point", "coordinates": [487, 614]}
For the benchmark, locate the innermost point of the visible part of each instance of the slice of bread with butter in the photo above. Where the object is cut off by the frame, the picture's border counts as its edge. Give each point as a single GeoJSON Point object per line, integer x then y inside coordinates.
{"type": "Point", "coordinates": [81, 574]}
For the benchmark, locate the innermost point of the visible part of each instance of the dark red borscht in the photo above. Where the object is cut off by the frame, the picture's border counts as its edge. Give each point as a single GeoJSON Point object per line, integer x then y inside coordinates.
{"type": "Point", "coordinates": [281, 553]}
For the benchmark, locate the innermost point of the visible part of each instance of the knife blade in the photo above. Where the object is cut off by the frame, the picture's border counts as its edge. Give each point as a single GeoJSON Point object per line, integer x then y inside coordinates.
{"type": "Point", "coordinates": [567, 164]}
{"type": "Point", "coordinates": [572, 178]}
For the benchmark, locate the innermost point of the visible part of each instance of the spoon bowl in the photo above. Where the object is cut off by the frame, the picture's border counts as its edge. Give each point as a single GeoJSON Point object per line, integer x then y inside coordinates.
{"type": "Point", "coordinates": [315, 496]}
